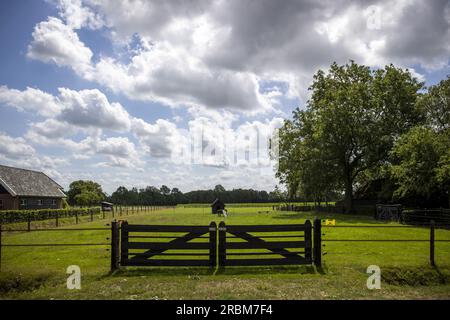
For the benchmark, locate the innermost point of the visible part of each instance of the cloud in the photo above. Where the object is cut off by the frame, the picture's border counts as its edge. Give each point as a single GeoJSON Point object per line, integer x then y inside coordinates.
{"type": "Point", "coordinates": [14, 148]}
{"type": "Point", "coordinates": [18, 153]}
{"type": "Point", "coordinates": [161, 139]}
{"type": "Point", "coordinates": [269, 41]}
{"type": "Point", "coordinates": [83, 109]}
{"type": "Point", "coordinates": [78, 15]}
{"type": "Point", "coordinates": [30, 100]}
{"type": "Point", "coordinates": [52, 129]}
{"type": "Point", "coordinates": [55, 42]}
{"type": "Point", "coordinates": [120, 152]}
{"type": "Point", "coordinates": [91, 108]}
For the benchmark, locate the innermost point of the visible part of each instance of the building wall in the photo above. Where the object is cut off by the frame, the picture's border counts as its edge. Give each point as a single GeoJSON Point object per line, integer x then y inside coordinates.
{"type": "Point", "coordinates": [32, 203]}
{"type": "Point", "coordinates": [7, 202]}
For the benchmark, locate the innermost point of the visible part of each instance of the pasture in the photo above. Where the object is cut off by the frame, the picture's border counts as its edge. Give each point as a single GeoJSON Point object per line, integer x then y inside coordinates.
{"type": "Point", "coordinates": [40, 272]}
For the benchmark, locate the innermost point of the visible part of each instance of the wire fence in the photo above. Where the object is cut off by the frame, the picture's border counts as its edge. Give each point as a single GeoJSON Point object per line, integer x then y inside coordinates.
{"type": "Point", "coordinates": [318, 229]}
{"type": "Point", "coordinates": [431, 239]}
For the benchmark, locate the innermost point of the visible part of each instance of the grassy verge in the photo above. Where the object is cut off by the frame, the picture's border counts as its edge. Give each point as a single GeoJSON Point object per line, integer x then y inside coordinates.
{"type": "Point", "coordinates": [40, 272]}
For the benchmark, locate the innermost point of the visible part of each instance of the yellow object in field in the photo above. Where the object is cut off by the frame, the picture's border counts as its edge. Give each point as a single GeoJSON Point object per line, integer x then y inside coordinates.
{"type": "Point", "coordinates": [330, 222]}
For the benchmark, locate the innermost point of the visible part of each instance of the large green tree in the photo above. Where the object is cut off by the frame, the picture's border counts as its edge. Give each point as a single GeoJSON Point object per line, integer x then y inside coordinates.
{"type": "Point", "coordinates": [350, 123]}
{"type": "Point", "coordinates": [85, 192]}
{"type": "Point", "coordinates": [421, 157]}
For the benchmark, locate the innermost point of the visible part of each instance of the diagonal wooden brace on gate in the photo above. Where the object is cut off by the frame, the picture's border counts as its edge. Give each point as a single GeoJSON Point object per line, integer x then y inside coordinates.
{"type": "Point", "coordinates": [158, 249]}
{"type": "Point", "coordinates": [257, 242]}
{"type": "Point", "coordinates": [145, 245]}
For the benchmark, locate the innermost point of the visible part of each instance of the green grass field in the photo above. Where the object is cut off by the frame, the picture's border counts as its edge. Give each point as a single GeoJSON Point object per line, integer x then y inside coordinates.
{"type": "Point", "coordinates": [40, 272]}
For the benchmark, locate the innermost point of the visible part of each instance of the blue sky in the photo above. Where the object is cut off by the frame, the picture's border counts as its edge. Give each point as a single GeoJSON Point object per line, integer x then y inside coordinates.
{"type": "Point", "coordinates": [88, 92]}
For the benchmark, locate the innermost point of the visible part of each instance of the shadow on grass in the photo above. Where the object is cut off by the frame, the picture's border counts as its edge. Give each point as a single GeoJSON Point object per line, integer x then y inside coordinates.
{"type": "Point", "coordinates": [347, 218]}
{"type": "Point", "coordinates": [193, 271]}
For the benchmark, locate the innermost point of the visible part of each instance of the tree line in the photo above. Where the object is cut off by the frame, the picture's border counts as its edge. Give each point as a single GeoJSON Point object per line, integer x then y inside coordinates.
{"type": "Point", "coordinates": [379, 134]}
{"type": "Point", "coordinates": [88, 193]}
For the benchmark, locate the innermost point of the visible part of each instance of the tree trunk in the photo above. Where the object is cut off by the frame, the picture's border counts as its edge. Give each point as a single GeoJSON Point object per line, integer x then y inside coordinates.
{"type": "Point", "coordinates": [348, 199]}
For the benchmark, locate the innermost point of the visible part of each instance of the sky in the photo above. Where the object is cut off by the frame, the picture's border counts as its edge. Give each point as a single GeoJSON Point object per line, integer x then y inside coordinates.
{"type": "Point", "coordinates": [186, 93]}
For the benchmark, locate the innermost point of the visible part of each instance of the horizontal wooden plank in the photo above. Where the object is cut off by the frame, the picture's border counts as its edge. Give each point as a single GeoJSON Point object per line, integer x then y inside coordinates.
{"type": "Point", "coordinates": [274, 252]}
{"type": "Point", "coordinates": [163, 228]}
{"type": "Point", "coordinates": [266, 228]}
{"type": "Point", "coordinates": [145, 254]}
{"type": "Point", "coordinates": [265, 262]}
{"type": "Point", "coordinates": [265, 245]}
{"type": "Point", "coordinates": [161, 237]}
{"type": "Point", "coordinates": [166, 245]}
{"type": "Point", "coordinates": [165, 263]}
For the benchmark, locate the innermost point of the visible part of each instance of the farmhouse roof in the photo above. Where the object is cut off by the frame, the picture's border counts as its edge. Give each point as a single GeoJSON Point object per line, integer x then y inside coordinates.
{"type": "Point", "coordinates": [22, 182]}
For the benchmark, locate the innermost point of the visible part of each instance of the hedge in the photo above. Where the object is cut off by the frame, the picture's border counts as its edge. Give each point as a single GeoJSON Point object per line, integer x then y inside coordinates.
{"type": "Point", "coordinates": [15, 216]}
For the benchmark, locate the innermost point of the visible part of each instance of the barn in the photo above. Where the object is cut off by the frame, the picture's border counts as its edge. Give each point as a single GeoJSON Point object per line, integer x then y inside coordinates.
{"type": "Point", "coordinates": [22, 189]}
{"type": "Point", "coordinates": [217, 206]}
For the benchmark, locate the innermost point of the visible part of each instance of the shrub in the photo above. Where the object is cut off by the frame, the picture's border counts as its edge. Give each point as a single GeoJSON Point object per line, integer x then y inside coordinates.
{"type": "Point", "coordinates": [15, 216]}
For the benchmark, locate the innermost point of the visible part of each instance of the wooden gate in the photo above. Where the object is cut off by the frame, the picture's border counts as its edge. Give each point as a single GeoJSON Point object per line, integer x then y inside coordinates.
{"type": "Point", "coordinates": [244, 245]}
{"type": "Point", "coordinates": [294, 245]}
{"type": "Point", "coordinates": [147, 245]}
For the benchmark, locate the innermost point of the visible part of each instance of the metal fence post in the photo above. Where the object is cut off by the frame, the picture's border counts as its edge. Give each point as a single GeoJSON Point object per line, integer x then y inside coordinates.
{"type": "Point", "coordinates": [432, 243]}
{"type": "Point", "coordinates": [318, 242]}
{"type": "Point", "coordinates": [114, 245]}
{"type": "Point", "coordinates": [213, 244]}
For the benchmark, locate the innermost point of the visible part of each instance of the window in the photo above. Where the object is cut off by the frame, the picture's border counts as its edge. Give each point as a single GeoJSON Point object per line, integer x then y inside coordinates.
{"type": "Point", "coordinates": [54, 202]}
{"type": "Point", "coordinates": [23, 202]}
{"type": "Point", "coordinates": [39, 202]}
{"type": "Point", "coordinates": [1, 204]}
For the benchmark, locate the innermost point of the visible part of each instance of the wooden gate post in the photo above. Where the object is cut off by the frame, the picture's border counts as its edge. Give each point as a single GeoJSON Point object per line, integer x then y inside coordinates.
{"type": "Point", "coordinates": [318, 242]}
{"type": "Point", "coordinates": [213, 244]}
{"type": "Point", "coordinates": [114, 245]}
{"type": "Point", "coordinates": [222, 244]}
{"type": "Point", "coordinates": [124, 241]}
{"type": "Point", "coordinates": [432, 243]}
{"type": "Point", "coordinates": [308, 241]}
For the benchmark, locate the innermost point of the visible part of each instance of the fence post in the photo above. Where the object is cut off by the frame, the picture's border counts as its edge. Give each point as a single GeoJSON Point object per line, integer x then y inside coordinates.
{"type": "Point", "coordinates": [57, 222]}
{"type": "Point", "coordinates": [124, 242]}
{"type": "Point", "coordinates": [318, 242]}
{"type": "Point", "coordinates": [213, 244]}
{"type": "Point", "coordinates": [222, 244]}
{"type": "Point", "coordinates": [308, 241]}
{"type": "Point", "coordinates": [29, 221]}
{"type": "Point", "coordinates": [76, 216]}
{"type": "Point", "coordinates": [114, 245]}
{"type": "Point", "coordinates": [432, 243]}
{"type": "Point", "coordinates": [92, 214]}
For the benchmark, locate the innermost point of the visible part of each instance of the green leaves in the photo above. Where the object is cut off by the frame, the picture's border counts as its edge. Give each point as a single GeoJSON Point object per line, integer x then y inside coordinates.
{"type": "Point", "coordinates": [349, 126]}
{"type": "Point", "coordinates": [422, 162]}
{"type": "Point", "coordinates": [83, 192]}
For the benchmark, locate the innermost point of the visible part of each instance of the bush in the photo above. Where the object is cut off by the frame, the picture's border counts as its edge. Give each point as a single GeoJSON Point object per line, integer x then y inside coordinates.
{"type": "Point", "coordinates": [15, 216]}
